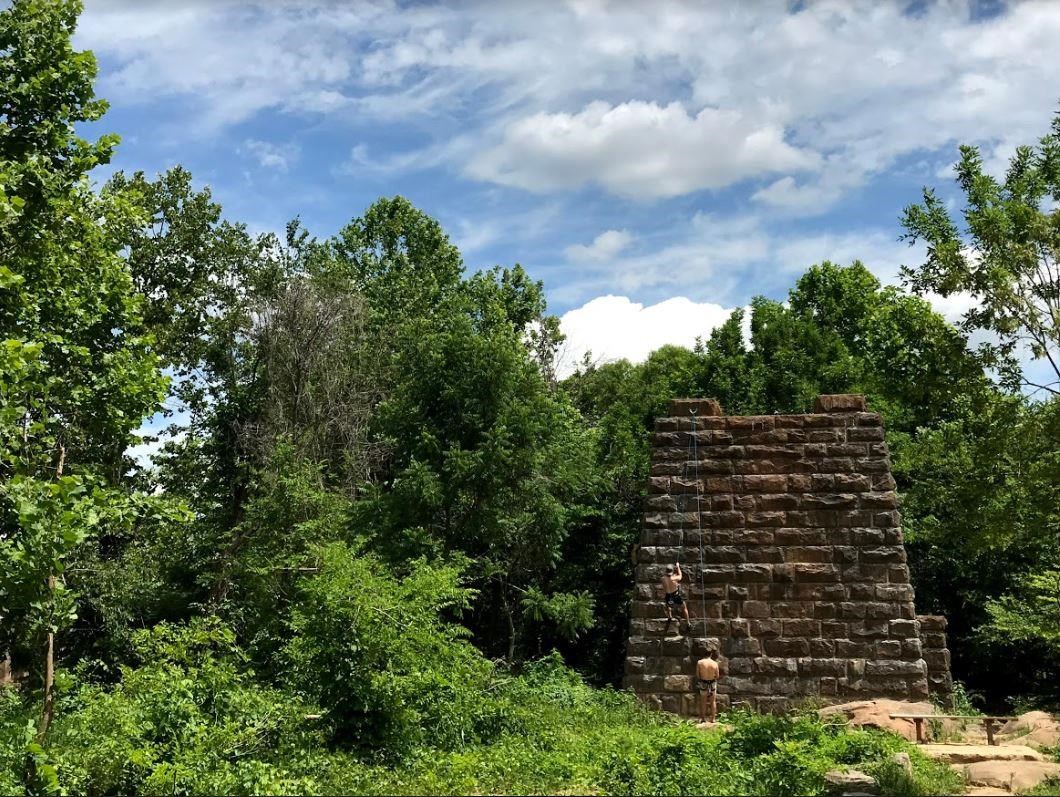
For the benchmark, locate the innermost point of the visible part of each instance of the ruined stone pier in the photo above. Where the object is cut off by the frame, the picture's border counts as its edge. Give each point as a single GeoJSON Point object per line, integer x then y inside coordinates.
{"type": "Point", "coordinates": [788, 530]}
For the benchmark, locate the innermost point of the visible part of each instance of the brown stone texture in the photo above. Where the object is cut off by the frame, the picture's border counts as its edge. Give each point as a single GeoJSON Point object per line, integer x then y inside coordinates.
{"type": "Point", "coordinates": [788, 530]}
{"type": "Point", "coordinates": [936, 654]}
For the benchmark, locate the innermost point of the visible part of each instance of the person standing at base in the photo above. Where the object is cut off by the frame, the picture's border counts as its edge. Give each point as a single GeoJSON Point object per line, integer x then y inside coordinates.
{"type": "Point", "coordinates": [672, 595]}
{"type": "Point", "coordinates": [707, 671]}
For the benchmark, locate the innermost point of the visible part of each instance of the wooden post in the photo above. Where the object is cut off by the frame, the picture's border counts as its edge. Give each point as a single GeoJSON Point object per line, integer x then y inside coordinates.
{"type": "Point", "coordinates": [919, 730]}
{"type": "Point", "coordinates": [989, 722]}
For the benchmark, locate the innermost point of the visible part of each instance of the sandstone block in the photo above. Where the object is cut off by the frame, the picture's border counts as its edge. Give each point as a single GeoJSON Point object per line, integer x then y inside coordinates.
{"type": "Point", "coordinates": [840, 402]}
{"type": "Point", "coordinates": [681, 408]}
{"type": "Point", "coordinates": [894, 667]}
{"type": "Point", "coordinates": [767, 665]}
{"type": "Point", "coordinates": [822, 648]}
{"type": "Point", "coordinates": [903, 629]}
{"type": "Point", "coordinates": [742, 647]}
{"type": "Point", "coordinates": [677, 683]}
{"type": "Point", "coordinates": [764, 629]}
{"type": "Point", "coordinates": [786, 647]}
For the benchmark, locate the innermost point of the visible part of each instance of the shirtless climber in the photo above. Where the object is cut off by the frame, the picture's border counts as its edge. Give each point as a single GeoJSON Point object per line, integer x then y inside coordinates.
{"type": "Point", "coordinates": [671, 584]}
{"type": "Point", "coordinates": [707, 672]}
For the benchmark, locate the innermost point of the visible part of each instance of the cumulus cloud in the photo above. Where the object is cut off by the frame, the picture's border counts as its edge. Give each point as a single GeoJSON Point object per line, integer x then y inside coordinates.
{"type": "Point", "coordinates": [271, 156]}
{"type": "Point", "coordinates": [638, 150]}
{"type": "Point", "coordinates": [614, 327]}
{"type": "Point", "coordinates": [641, 100]}
{"type": "Point", "coordinates": [604, 247]}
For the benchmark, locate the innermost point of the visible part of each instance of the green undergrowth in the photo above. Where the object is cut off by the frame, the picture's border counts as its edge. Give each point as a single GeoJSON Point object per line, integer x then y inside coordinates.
{"type": "Point", "coordinates": [202, 724]}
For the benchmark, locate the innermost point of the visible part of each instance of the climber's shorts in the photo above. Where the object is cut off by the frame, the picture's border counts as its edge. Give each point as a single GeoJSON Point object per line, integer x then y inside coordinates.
{"type": "Point", "coordinates": [706, 687]}
{"type": "Point", "coordinates": [675, 598]}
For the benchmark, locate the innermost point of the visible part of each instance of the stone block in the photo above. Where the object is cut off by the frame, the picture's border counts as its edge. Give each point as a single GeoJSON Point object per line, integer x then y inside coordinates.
{"type": "Point", "coordinates": [815, 572]}
{"type": "Point", "coordinates": [839, 402]}
{"type": "Point", "coordinates": [809, 553]}
{"type": "Point", "coordinates": [845, 554]}
{"type": "Point", "coordinates": [894, 592]}
{"type": "Point", "coordinates": [671, 646]}
{"type": "Point", "coordinates": [677, 683]}
{"type": "Point", "coordinates": [755, 609]}
{"type": "Point", "coordinates": [739, 627]}
{"type": "Point", "coordinates": [711, 519]}
{"type": "Point", "coordinates": [822, 648]}
{"type": "Point", "coordinates": [662, 503]}
{"type": "Point", "coordinates": [740, 666]}
{"type": "Point", "coordinates": [894, 667]}
{"type": "Point", "coordinates": [852, 482]}
{"type": "Point", "coordinates": [799, 536]}
{"type": "Point", "coordinates": [765, 484]}
{"type": "Point", "coordinates": [786, 647]}
{"type": "Point", "coordinates": [876, 501]}
{"type": "Point", "coordinates": [742, 647]}
{"type": "Point", "coordinates": [886, 519]}
{"type": "Point", "coordinates": [767, 554]}
{"type": "Point", "coordinates": [769, 665]}
{"type": "Point", "coordinates": [824, 611]}
{"type": "Point", "coordinates": [758, 519]}
{"type": "Point", "coordinates": [889, 649]}
{"type": "Point", "coordinates": [789, 610]}
{"type": "Point", "coordinates": [868, 434]}
{"type": "Point", "coordinates": [933, 639]}
{"type": "Point", "coordinates": [777, 501]}
{"type": "Point", "coordinates": [752, 572]}
{"type": "Point", "coordinates": [884, 554]}
{"type": "Point", "coordinates": [764, 629]}
{"type": "Point", "coordinates": [869, 629]}
{"type": "Point", "coordinates": [932, 622]}
{"type": "Point", "coordinates": [937, 660]}
{"type": "Point", "coordinates": [804, 627]}
{"type": "Point", "coordinates": [846, 648]}
{"type": "Point", "coordinates": [755, 536]}
{"type": "Point", "coordinates": [831, 667]}
{"type": "Point", "coordinates": [701, 408]}
{"type": "Point", "coordinates": [903, 629]}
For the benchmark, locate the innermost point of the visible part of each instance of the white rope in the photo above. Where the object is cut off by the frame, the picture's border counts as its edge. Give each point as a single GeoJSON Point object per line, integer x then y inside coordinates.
{"type": "Point", "coordinates": [693, 446]}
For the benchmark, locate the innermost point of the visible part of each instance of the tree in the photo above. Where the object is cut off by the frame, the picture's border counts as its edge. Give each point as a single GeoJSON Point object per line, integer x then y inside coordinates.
{"type": "Point", "coordinates": [81, 377]}
{"type": "Point", "coordinates": [1007, 256]}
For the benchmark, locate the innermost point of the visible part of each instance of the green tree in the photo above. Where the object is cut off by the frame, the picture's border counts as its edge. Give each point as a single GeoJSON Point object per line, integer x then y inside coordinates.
{"type": "Point", "coordinates": [81, 377]}
{"type": "Point", "coordinates": [1006, 257]}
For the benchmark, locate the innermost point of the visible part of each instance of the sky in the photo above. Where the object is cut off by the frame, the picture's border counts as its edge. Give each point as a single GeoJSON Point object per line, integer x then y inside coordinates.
{"type": "Point", "coordinates": [655, 164]}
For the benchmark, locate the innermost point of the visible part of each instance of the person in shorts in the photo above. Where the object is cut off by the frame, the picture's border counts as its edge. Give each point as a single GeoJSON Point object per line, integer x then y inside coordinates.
{"type": "Point", "coordinates": [672, 595]}
{"type": "Point", "coordinates": [707, 671]}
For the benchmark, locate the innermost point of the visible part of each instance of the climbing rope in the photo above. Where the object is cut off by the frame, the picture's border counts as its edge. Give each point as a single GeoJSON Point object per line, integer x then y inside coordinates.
{"type": "Point", "coordinates": [693, 446]}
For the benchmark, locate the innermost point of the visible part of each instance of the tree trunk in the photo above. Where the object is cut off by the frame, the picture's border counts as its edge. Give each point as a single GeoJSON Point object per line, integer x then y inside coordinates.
{"type": "Point", "coordinates": [48, 709]}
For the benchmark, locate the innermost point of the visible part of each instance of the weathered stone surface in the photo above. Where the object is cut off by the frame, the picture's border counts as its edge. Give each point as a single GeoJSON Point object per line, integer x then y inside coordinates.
{"type": "Point", "coordinates": [682, 408]}
{"type": "Point", "coordinates": [974, 753]}
{"type": "Point", "coordinates": [803, 588]}
{"type": "Point", "coordinates": [1015, 776]}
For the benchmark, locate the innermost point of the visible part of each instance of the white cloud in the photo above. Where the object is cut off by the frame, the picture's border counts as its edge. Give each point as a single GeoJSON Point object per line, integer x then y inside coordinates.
{"type": "Point", "coordinates": [613, 327]}
{"type": "Point", "coordinates": [604, 247]}
{"type": "Point", "coordinates": [637, 150]}
{"type": "Point", "coordinates": [643, 100]}
{"type": "Point", "coordinates": [272, 156]}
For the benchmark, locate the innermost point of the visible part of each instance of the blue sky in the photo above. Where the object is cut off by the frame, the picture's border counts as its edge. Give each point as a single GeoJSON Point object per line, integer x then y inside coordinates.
{"type": "Point", "coordinates": [655, 164]}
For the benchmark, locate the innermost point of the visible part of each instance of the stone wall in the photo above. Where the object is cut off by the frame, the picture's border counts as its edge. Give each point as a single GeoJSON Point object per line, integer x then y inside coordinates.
{"type": "Point", "coordinates": [788, 530]}
{"type": "Point", "coordinates": [936, 655]}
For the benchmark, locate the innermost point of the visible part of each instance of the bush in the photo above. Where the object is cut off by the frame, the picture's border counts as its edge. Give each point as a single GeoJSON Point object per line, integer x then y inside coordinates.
{"type": "Point", "coordinates": [189, 720]}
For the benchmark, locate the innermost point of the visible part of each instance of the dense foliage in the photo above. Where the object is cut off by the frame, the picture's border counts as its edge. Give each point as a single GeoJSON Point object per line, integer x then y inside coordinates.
{"type": "Point", "coordinates": [382, 524]}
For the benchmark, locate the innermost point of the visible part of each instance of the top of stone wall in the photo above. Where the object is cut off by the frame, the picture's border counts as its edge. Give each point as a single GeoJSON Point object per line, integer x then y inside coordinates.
{"type": "Point", "coordinates": [699, 407]}
{"type": "Point", "coordinates": [825, 403]}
